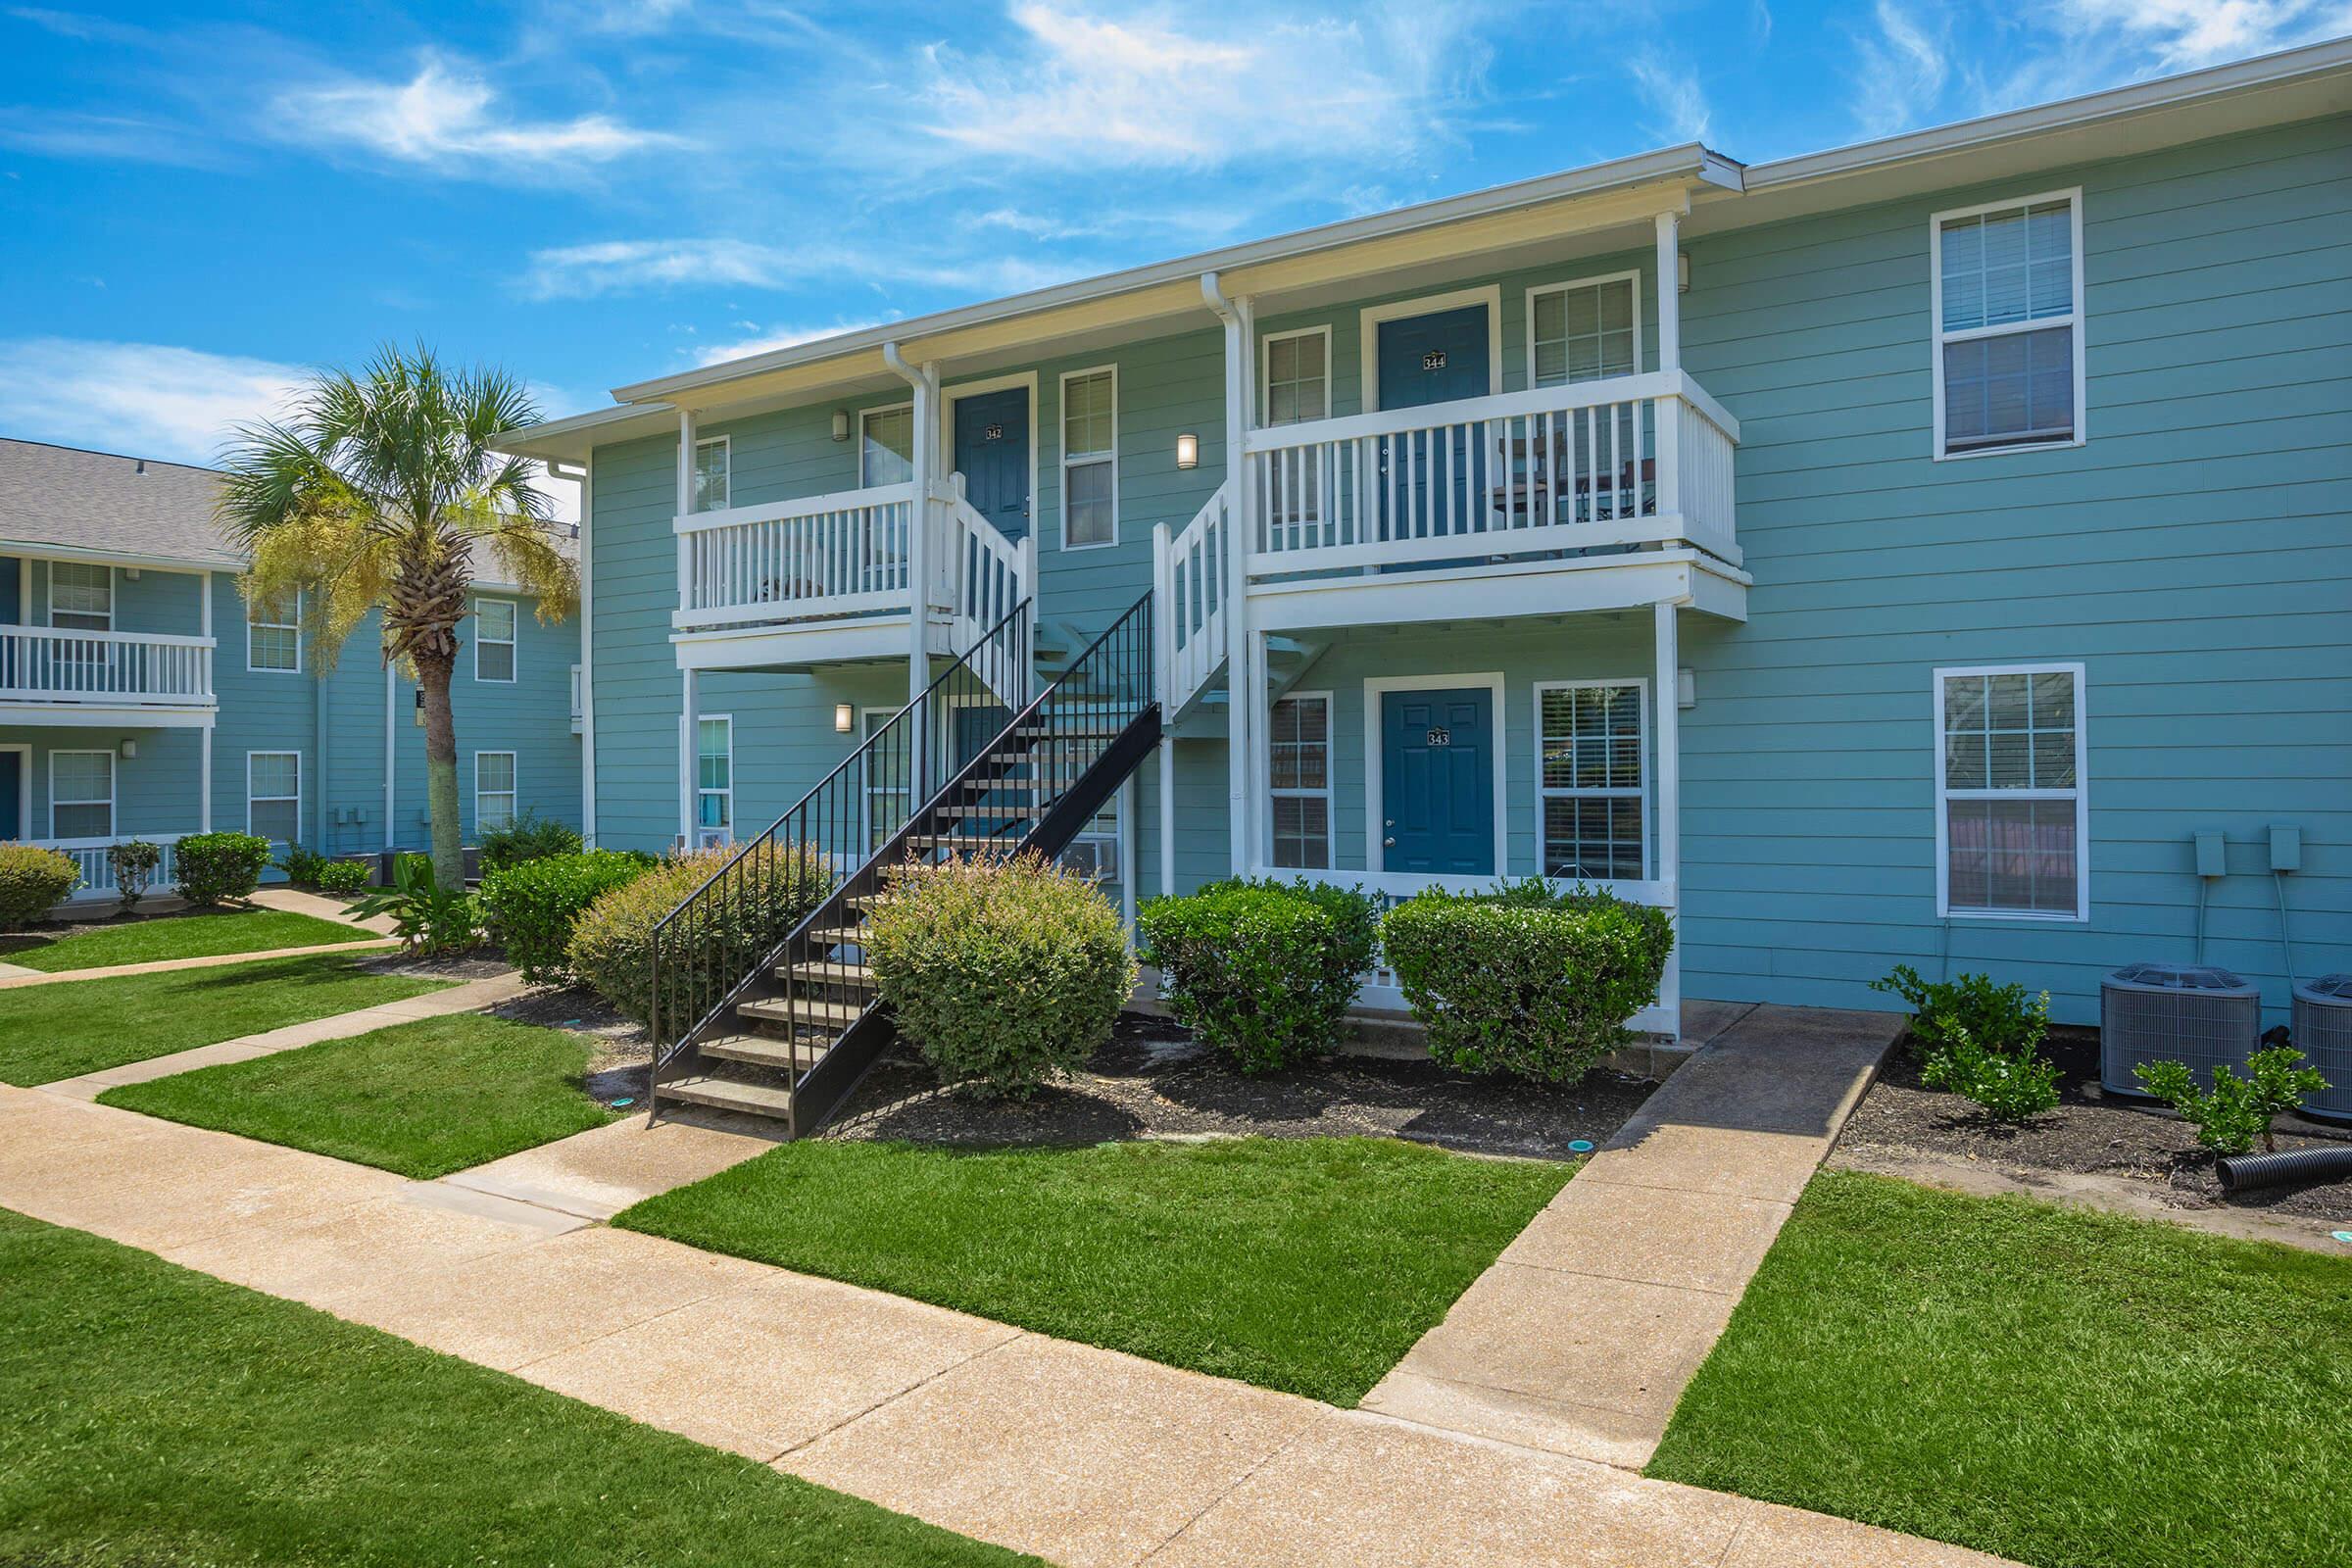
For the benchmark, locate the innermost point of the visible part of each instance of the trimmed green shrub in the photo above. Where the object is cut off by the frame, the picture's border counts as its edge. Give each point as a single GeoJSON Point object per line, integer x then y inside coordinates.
{"type": "Point", "coordinates": [611, 948]}
{"type": "Point", "coordinates": [1528, 979]}
{"type": "Point", "coordinates": [342, 877]}
{"type": "Point", "coordinates": [2236, 1110]}
{"type": "Point", "coordinates": [1004, 972]}
{"type": "Point", "coordinates": [428, 918]}
{"type": "Point", "coordinates": [214, 868]}
{"type": "Point", "coordinates": [1261, 970]}
{"type": "Point", "coordinates": [1997, 1018]}
{"type": "Point", "coordinates": [302, 867]}
{"type": "Point", "coordinates": [133, 864]}
{"type": "Point", "coordinates": [531, 908]}
{"type": "Point", "coordinates": [31, 882]}
{"type": "Point", "coordinates": [526, 837]}
{"type": "Point", "coordinates": [2010, 1086]}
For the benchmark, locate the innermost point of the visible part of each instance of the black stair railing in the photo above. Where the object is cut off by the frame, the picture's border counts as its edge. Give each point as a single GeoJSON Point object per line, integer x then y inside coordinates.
{"type": "Point", "coordinates": [727, 936]}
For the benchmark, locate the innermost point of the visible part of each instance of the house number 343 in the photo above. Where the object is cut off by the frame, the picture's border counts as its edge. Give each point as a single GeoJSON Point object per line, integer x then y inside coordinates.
{"type": "Point", "coordinates": [1441, 736]}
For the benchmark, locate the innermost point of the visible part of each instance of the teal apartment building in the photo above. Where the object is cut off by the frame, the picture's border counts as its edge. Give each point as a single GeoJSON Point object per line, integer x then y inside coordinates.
{"type": "Point", "coordinates": [137, 700]}
{"type": "Point", "coordinates": [1893, 554]}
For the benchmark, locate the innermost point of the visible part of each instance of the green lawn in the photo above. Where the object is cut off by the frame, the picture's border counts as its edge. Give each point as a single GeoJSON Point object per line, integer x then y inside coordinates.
{"type": "Point", "coordinates": [2069, 1389]}
{"type": "Point", "coordinates": [421, 1099]}
{"type": "Point", "coordinates": [152, 1416]}
{"type": "Point", "coordinates": [185, 936]}
{"type": "Point", "coordinates": [76, 1027]}
{"type": "Point", "coordinates": [1305, 1264]}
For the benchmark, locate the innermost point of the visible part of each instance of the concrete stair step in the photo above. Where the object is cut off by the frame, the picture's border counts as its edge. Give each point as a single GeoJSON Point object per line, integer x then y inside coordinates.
{"type": "Point", "coordinates": [802, 1011]}
{"type": "Point", "coordinates": [828, 972]}
{"type": "Point", "coordinates": [765, 1051]}
{"type": "Point", "coordinates": [730, 1094]}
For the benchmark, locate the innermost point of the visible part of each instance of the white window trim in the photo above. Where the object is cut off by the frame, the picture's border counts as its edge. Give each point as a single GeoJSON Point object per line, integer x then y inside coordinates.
{"type": "Point", "coordinates": [728, 832]}
{"type": "Point", "coordinates": [1062, 416]}
{"type": "Point", "coordinates": [1377, 686]}
{"type": "Point", "coordinates": [1938, 337]}
{"type": "Point", "coordinates": [1372, 317]}
{"type": "Point", "coordinates": [513, 771]}
{"type": "Point", "coordinates": [514, 642]}
{"type": "Point", "coordinates": [1547, 792]}
{"type": "Point", "coordinates": [1266, 369]}
{"type": "Point", "coordinates": [22, 828]}
{"type": "Point", "coordinates": [108, 613]}
{"type": "Point", "coordinates": [902, 406]}
{"type": "Point", "coordinates": [727, 444]}
{"type": "Point", "coordinates": [1632, 276]}
{"type": "Point", "coordinates": [2080, 793]}
{"type": "Point", "coordinates": [1328, 794]}
{"type": "Point", "coordinates": [295, 627]}
{"type": "Point", "coordinates": [114, 790]}
{"type": "Point", "coordinates": [274, 799]}
{"type": "Point", "coordinates": [868, 729]}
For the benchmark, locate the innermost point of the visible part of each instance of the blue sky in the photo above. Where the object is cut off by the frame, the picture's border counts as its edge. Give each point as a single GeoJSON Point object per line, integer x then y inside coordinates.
{"type": "Point", "coordinates": [195, 203]}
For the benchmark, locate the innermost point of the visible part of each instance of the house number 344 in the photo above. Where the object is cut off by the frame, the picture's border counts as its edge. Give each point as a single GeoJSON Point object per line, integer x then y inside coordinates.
{"type": "Point", "coordinates": [1434, 359]}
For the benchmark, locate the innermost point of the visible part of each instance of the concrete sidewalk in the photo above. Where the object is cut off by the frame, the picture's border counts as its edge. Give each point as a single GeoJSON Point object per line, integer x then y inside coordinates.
{"type": "Point", "coordinates": [1084, 1456]}
{"type": "Point", "coordinates": [1581, 1338]}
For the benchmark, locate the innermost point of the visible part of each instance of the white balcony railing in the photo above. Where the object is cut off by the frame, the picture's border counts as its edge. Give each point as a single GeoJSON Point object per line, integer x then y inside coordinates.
{"type": "Point", "coordinates": [842, 553]}
{"type": "Point", "coordinates": [104, 669]}
{"type": "Point", "coordinates": [97, 873]}
{"type": "Point", "coordinates": [1191, 590]}
{"type": "Point", "coordinates": [1631, 460]}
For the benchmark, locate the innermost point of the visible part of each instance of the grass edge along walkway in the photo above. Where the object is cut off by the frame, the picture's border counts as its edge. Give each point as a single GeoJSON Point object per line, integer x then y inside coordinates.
{"type": "Point", "coordinates": [421, 1099]}
{"type": "Point", "coordinates": [67, 1030]}
{"type": "Point", "coordinates": [2068, 1388]}
{"type": "Point", "coordinates": [152, 1414]}
{"type": "Point", "coordinates": [1307, 1265]}
{"type": "Point", "coordinates": [223, 934]}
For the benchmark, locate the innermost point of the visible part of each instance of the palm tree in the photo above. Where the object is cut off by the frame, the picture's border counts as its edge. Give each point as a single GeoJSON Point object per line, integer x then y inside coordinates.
{"type": "Point", "coordinates": [383, 491]}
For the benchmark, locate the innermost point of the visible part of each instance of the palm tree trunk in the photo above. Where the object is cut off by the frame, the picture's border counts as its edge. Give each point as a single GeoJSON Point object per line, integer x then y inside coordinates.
{"type": "Point", "coordinates": [441, 770]}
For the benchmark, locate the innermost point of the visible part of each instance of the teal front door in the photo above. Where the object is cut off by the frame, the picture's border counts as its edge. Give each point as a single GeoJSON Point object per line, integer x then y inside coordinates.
{"type": "Point", "coordinates": [1433, 485]}
{"type": "Point", "coordinates": [1437, 781]}
{"type": "Point", "coordinates": [992, 452]}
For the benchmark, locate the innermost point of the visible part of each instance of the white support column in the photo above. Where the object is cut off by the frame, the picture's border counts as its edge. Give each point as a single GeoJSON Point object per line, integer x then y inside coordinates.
{"type": "Point", "coordinates": [1163, 673]}
{"type": "Point", "coordinates": [1128, 869]}
{"type": "Point", "coordinates": [685, 546]}
{"type": "Point", "coordinates": [1663, 686]}
{"type": "Point", "coordinates": [1670, 293]}
{"type": "Point", "coordinates": [919, 531]}
{"type": "Point", "coordinates": [587, 654]}
{"type": "Point", "coordinates": [391, 750]}
{"type": "Point", "coordinates": [1167, 814]}
{"type": "Point", "coordinates": [1242, 721]}
{"type": "Point", "coordinates": [204, 780]}
{"type": "Point", "coordinates": [690, 735]}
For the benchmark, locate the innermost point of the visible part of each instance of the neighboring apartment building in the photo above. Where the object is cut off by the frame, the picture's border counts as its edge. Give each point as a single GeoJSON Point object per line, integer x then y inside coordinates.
{"type": "Point", "coordinates": [137, 699]}
{"type": "Point", "coordinates": [1891, 555]}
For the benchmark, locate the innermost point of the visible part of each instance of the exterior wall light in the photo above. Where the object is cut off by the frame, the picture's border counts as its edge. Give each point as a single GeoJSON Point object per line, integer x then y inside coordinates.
{"type": "Point", "coordinates": [843, 718]}
{"type": "Point", "coordinates": [1188, 451]}
{"type": "Point", "coordinates": [131, 748]}
{"type": "Point", "coordinates": [1681, 271]}
{"type": "Point", "coordinates": [841, 417]}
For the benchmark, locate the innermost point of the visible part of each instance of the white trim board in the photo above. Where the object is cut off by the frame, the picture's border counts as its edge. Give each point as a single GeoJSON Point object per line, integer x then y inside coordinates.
{"type": "Point", "coordinates": [1375, 687]}
{"type": "Point", "coordinates": [1372, 316]}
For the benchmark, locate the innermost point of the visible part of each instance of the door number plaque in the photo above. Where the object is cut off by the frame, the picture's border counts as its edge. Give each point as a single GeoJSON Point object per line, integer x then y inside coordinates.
{"type": "Point", "coordinates": [1434, 359]}
{"type": "Point", "coordinates": [1441, 736]}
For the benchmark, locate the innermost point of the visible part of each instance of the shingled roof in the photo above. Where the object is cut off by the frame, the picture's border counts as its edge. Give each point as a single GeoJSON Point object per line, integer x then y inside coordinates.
{"type": "Point", "coordinates": [130, 507]}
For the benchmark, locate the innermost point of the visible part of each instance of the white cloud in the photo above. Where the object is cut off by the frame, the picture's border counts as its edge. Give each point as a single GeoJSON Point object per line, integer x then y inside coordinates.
{"type": "Point", "coordinates": [1677, 105]}
{"type": "Point", "coordinates": [765, 342]}
{"type": "Point", "coordinates": [2184, 34]}
{"type": "Point", "coordinates": [1904, 68]}
{"type": "Point", "coordinates": [448, 117]}
{"type": "Point", "coordinates": [1081, 90]}
{"type": "Point", "coordinates": [623, 266]}
{"type": "Point", "coordinates": [146, 400]}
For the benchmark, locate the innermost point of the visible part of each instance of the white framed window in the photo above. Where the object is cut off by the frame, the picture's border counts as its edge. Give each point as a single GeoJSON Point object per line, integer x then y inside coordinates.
{"type": "Point", "coordinates": [2007, 292]}
{"type": "Point", "coordinates": [82, 795]}
{"type": "Point", "coordinates": [1299, 752]}
{"type": "Point", "coordinates": [494, 621]}
{"type": "Point", "coordinates": [273, 647]}
{"type": "Point", "coordinates": [888, 798]}
{"type": "Point", "coordinates": [714, 479]}
{"type": "Point", "coordinates": [886, 445]}
{"type": "Point", "coordinates": [273, 796]}
{"type": "Point", "coordinates": [1089, 458]}
{"type": "Point", "coordinates": [2012, 805]}
{"type": "Point", "coordinates": [1593, 779]}
{"type": "Point", "coordinates": [493, 791]}
{"type": "Point", "coordinates": [81, 596]}
{"type": "Point", "coordinates": [1584, 330]}
{"type": "Point", "coordinates": [1295, 376]}
{"type": "Point", "coordinates": [715, 780]}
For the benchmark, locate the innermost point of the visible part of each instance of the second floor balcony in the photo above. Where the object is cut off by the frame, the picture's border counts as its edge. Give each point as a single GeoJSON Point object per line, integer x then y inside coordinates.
{"type": "Point", "coordinates": [56, 676]}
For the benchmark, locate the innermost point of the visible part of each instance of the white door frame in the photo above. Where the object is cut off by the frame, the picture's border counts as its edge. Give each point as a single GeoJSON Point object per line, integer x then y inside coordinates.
{"type": "Point", "coordinates": [1373, 317]}
{"type": "Point", "coordinates": [1378, 686]}
{"type": "Point", "coordinates": [948, 396]}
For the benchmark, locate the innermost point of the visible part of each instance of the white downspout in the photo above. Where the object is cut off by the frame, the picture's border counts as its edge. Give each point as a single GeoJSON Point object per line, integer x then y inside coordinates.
{"type": "Point", "coordinates": [1241, 707]}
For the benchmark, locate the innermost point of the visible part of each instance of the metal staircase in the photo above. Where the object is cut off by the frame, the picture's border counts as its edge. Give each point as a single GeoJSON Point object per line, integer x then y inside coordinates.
{"type": "Point", "coordinates": [783, 1024]}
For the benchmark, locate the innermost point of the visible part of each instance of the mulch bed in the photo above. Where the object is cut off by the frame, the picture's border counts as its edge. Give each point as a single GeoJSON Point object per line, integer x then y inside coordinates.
{"type": "Point", "coordinates": [1153, 1080]}
{"type": "Point", "coordinates": [2090, 1133]}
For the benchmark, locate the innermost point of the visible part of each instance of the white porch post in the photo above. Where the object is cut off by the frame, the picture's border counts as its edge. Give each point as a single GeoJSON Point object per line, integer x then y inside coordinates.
{"type": "Point", "coordinates": [1242, 721]}
{"type": "Point", "coordinates": [1670, 293]}
{"type": "Point", "coordinates": [204, 748]}
{"type": "Point", "coordinates": [1163, 669]}
{"type": "Point", "coordinates": [1128, 869]}
{"type": "Point", "coordinates": [918, 530]}
{"type": "Point", "coordinates": [690, 736]}
{"type": "Point", "coordinates": [391, 750]}
{"type": "Point", "coordinates": [1670, 802]}
{"type": "Point", "coordinates": [587, 654]}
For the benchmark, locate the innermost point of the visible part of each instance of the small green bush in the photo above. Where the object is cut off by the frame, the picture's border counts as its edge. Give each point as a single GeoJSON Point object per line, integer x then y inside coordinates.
{"type": "Point", "coordinates": [428, 918]}
{"type": "Point", "coordinates": [1528, 979]}
{"type": "Point", "coordinates": [1004, 972]}
{"type": "Point", "coordinates": [133, 864]}
{"type": "Point", "coordinates": [531, 908]}
{"type": "Point", "coordinates": [302, 867]}
{"type": "Point", "coordinates": [1264, 970]}
{"type": "Point", "coordinates": [214, 868]}
{"type": "Point", "coordinates": [2011, 1086]}
{"type": "Point", "coordinates": [526, 837]}
{"type": "Point", "coordinates": [775, 886]}
{"type": "Point", "coordinates": [342, 877]}
{"type": "Point", "coordinates": [2236, 1110]}
{"type": "Point", "coordinates": [32, 880]}
{"type": "Point", "coordinates": [1997, 1018]}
